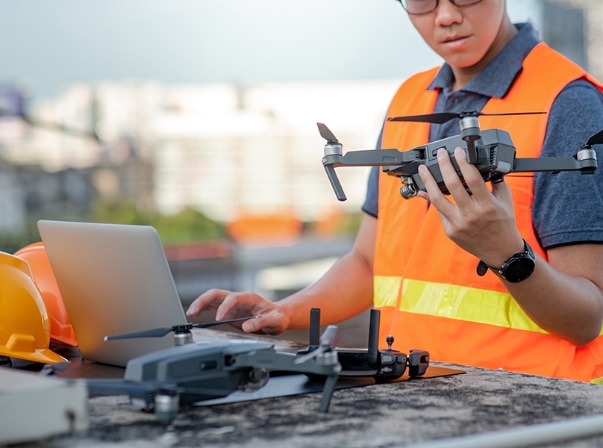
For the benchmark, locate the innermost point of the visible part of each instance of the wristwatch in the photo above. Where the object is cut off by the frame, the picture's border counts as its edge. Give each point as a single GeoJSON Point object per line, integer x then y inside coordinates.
{"type": "Point", "coordinates": [516, 269]}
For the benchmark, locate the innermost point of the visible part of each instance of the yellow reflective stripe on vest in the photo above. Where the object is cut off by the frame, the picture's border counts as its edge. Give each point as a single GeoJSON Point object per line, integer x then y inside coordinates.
{"type": "Point", "coordinates": [453, 301]}
{"type": "Point", "coordinates": [386, 291]}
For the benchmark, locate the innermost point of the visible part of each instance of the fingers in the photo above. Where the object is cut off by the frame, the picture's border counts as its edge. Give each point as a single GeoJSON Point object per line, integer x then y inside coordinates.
{"type": "Point", "coordinates": [475, 217]}
{"type": "Point", "coordinates": [457, 185]}
{"type": "Point", "coordinates": [239, 304]}
{"type": "Point", "coordinates": [502, 191]}
{"type": "Point", "coordinates": [271, 323]}
{"type": "Point", "coordinates": [270, 318]}
{"type": "Point", "coordinates": [473, 178]}
{"type": "Point", "coordinates": [209, 300]}
{"type": "Point", "coordinates": [231, 305]}
{"type": "Point", "coordinates": [451, 178]}
{"type": "Point", "coordinates": [434, 194]}
{"type": "Point", "coordinates": [432, 190]}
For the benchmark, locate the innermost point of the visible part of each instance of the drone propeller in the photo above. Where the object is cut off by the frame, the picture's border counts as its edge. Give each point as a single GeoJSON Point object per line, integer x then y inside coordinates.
{"type": "Point", "coordinates": [160, 332]}
{"type": "Point", "coordinates": [326, 133]}
{"type": "Point", "coordinates": [332, 148]}
{"type": "Point", "coordinates": [596, 139]}
{"type": "Point", "coordinates": [328, 340]}
{"type": "Point", "coordinates": [443, 117]}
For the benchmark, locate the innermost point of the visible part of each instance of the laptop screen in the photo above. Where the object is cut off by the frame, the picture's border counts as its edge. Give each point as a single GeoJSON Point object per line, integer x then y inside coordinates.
{"type": "Point", "coordinates": [114, 279]}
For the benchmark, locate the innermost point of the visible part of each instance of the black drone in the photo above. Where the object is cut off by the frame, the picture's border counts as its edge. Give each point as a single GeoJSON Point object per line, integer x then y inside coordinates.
{"type": "Point", "coordinates": [491, 151]}
{"type": "Point", "coordinates": [194, 371]}
{"type": "Point", "coordinates": [166, 380]}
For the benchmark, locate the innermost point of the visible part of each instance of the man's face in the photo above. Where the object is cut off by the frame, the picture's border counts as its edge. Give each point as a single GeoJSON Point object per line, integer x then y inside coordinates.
{"type": "Point", "coordinates": [462, 36]}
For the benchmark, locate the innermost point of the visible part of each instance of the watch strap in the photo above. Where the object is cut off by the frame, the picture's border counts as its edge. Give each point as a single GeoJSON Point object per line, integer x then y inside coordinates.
{"type": "Point", "coordinates": [483, 267]}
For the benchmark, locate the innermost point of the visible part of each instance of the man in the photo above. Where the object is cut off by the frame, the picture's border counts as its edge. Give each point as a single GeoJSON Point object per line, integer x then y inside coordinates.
{"type": "Point", "coordinates": [416, 260]}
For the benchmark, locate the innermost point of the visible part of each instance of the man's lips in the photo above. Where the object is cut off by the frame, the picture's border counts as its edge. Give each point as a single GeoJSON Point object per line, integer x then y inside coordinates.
{"type": "Point", "coordinates": [454, 42]}
{"type": "Point", "coordinates": [453, 38]}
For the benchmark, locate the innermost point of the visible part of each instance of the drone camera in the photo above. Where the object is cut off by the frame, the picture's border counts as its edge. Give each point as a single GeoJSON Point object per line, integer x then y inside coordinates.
{"type": "Point", "coordinates": [408, 189]}
{"type": "Point", "coordinates": [254, 379]}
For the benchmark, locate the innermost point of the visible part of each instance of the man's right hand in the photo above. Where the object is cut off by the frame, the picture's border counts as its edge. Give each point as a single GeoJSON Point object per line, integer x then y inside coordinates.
{"type": "Point", "coordinates": [271, 317]}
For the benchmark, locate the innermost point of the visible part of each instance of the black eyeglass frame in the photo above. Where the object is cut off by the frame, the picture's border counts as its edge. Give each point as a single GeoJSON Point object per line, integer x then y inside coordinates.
{"type": "Point", "coordinates": [436, 3]}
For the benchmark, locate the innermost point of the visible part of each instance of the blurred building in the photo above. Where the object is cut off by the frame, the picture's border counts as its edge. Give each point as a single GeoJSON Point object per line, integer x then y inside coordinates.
{"type": "Point", "coordinates": [226, 150]}
{"type": "Point", "coordinates": [569, 22]}
{"type": "Point", "coordinates": [258, 150]}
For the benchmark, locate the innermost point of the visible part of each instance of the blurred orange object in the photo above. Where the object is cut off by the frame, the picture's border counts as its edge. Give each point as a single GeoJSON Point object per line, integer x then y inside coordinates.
{"type": "Point", "coordinates": [265, 228]}
{"type": "Point", "coordinates": [60, 325]}
{"type": "Point", "coordinates": [328, 223]}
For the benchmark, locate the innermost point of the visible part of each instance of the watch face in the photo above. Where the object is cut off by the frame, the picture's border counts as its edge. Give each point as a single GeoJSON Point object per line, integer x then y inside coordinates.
{"type": "Point", "coordinates": [519, 268]}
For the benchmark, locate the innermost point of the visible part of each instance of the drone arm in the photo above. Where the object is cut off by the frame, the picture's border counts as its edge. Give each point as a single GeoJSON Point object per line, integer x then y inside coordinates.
{"type": "Point", "coordinates": [368, 157]}
{"type": "Point", "coordinates": [327, 393]}
{"type": "Point", "coordinates": [106, 387]}
{"type": "Point", "coordinates": [286, 362]}
{"type": "Point", "coordinates": [322, 363]}
{"type": "Point", "coordinates": [373, 157]}
{"type": "Point", "coordinates": [335, 184]}
{"type": "Point", "coordinates": [585, 162]}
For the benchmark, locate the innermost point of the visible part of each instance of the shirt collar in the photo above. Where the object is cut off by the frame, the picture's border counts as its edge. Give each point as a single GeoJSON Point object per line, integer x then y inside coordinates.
{"type": "Point", "coordinates": [498, 76]}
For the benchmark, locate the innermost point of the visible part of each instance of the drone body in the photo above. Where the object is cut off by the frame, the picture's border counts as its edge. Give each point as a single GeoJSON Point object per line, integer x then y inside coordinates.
{"type": "Point", "coordinates": [201, 370]}
{"type": "Point", "coordinates": [166, 380]}
{"type": "Point", "coordinates": [192, 371]}
{"type": "Point", "coordinates": [493, 155]}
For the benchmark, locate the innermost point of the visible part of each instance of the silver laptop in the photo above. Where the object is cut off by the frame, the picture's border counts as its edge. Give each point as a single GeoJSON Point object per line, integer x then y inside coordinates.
{"type": "Point", "coordinates": [114, 279]}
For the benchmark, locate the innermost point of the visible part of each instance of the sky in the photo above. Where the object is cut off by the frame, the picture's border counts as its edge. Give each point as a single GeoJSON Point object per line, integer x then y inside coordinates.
{"type": "Point", "coordinates": [49, 45]}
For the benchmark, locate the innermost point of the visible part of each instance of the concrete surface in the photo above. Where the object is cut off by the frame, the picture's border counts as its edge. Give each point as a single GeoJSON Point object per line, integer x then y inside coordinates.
{"type": "Point", "coordinates": [380, 415]}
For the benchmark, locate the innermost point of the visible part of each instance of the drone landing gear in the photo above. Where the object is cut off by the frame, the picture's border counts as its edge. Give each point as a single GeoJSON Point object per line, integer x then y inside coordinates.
{"type": "Point", "coordinates": [327, 392]}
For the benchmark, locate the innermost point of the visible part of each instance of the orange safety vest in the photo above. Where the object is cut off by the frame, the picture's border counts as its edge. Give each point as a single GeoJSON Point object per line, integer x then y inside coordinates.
{"type": "Point", "coordinates": [427, 288]}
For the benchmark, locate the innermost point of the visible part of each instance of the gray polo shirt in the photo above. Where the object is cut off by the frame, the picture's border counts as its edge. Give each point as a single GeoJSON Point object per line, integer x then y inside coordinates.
{"type": "Point", "coordinates": [568, 207]}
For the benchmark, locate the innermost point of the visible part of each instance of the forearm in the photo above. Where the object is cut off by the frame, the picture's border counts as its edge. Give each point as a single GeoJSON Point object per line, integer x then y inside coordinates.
{"type": "Point", "coordinates": [345, 290]}
{"type": "Point", "coordinates": [562, 300]}
{"type": "Point", "coordinates": [563, 296]}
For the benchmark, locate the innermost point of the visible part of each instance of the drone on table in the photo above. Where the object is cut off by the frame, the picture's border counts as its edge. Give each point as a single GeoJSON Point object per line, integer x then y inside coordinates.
{"type": "Point", "coordinates": [491, 151]}
{"type": "Point", "coordinates": [167, 380]}
{"type": "Point", "coordinates": [194, 371]}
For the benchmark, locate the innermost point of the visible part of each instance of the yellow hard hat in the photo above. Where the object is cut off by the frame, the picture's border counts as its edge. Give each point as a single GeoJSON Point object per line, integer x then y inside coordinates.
{"type": "Point", "coordinates": [24, 326]}
{"type": "Point", "coordinates": [41, 270]}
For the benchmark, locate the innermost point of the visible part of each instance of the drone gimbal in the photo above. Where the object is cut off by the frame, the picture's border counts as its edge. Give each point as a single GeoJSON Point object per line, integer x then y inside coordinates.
{"type": "Point", "coordinates": [491, 151]}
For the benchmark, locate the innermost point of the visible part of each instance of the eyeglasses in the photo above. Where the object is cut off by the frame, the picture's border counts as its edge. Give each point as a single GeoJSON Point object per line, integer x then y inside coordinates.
{"type": "Point", "coordinates": [418, 7]}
